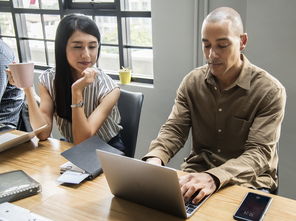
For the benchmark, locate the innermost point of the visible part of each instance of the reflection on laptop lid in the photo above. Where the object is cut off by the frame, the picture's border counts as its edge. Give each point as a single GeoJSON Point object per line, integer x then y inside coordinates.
{"type": "Point", "coordinates": [147, 184]}
{"type": "Point", "coordinates": [12, 138]}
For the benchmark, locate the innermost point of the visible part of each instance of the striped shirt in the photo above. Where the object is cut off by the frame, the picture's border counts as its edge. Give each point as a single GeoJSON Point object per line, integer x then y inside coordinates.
{"type": "Point", "coordinates": [93, 94]}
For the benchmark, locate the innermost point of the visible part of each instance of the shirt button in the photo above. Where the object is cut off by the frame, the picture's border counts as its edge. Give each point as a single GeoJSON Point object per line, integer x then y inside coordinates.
{"type": "Point", "coordinates": [220, 109]}
{"type": "Point", "coordinates": [219, 150]}
{"type": "Point", "coordinates": [219, 130]}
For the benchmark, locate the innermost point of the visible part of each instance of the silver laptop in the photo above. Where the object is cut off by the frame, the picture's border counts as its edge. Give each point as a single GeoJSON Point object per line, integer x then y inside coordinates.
{"type": "Point", "coordinates": [144, 183]}
{"type": "Point", "coordinates": [9, 139]}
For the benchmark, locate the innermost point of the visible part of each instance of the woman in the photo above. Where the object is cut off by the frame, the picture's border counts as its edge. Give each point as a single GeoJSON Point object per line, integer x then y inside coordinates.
{"type": "Point", "coordinates": [81, 97]}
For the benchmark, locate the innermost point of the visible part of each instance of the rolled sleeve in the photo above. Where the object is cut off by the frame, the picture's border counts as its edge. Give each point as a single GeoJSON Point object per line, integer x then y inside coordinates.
{"type": "Point", "coordinates": [174, 133]}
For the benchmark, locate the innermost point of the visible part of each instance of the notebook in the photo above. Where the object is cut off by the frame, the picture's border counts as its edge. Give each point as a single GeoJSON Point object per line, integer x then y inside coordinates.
{"type": "Point", "coordinates": [147, 184]}
{"type": "Point", "coordinates": [15, 185]}
{"type": "Point", "coordinates": [83, 155]}
{"type": "Point", "coordinates": [10, 139]}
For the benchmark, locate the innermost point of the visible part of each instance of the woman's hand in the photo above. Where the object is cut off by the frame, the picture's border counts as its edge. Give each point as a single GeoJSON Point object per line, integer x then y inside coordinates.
{"type": "Point", "coordinates": [10, 77]}
{"type": "Point", "coordinates": [87, 77]}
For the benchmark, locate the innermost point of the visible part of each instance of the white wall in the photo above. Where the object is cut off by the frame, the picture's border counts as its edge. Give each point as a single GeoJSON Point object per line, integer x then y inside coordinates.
{"type": "Point", "coordinates": [272, 46]}
{"type": "Point", "coordinates": [173, 32]}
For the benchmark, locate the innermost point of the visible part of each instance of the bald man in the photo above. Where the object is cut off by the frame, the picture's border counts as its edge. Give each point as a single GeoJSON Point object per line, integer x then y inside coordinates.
{"type": "Point", "coordinates": [234, 110]}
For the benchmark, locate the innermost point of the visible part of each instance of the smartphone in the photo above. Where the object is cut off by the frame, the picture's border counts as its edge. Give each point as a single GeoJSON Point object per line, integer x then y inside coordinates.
{"type": "Point", "coordinates": [253, 207]}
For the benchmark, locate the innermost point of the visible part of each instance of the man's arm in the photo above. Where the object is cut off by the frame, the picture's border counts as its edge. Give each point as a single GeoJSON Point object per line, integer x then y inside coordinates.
{"type": "Point", "coordinates": [154, 160]}
{"type": "Point", "coordinates": [3, 76]}
{"type": "Point", "coordinates": [3, 81]}
{"type": "Point", "coordinates": [6, 57]}
{"type": "Point", "coordinates": [174, 133]}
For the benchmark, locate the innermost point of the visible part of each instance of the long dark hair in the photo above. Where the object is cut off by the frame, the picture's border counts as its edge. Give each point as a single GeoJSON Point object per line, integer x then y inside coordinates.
{"type": "Point", "coordinates": [63, 77]}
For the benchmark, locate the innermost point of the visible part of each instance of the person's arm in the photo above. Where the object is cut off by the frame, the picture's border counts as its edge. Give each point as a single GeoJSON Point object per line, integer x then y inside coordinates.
{"type": "Point", "coordinates": [38, 115]}
{"type": "Point", "coordinates": [42, 114]}
{"type": "Point", "coordinates": [174, 133]}
{"type": "Point", "coordinates": [84, 127]}
{"type": "Point", "coordinates": [260, 146]}
{"type": "Point", "coordinates": [3, 82]}
{"type": "Point", "coordinates": [154, 160]}
{"type": "Point", "coordinates": [202, 183]}
{"type": "Point", "coordinates": [6, 57]}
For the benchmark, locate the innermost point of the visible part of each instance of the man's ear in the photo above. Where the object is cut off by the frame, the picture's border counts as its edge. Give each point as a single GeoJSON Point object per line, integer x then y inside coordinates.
{"type": "Point", "coordinates": [243, 41]}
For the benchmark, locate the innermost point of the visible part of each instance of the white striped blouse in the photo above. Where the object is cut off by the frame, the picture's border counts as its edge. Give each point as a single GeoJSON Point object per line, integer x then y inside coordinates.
{"type": "Point", "coordinates": [93, 93]}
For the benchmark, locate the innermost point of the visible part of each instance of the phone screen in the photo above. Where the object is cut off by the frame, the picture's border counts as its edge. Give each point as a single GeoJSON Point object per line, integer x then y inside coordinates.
{"type": "Point", "coordinates": [253, 207]}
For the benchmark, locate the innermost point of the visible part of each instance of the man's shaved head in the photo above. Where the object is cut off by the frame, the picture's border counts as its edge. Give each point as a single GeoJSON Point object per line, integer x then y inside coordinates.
{"type": "Point", "coordinates": [223, 14]}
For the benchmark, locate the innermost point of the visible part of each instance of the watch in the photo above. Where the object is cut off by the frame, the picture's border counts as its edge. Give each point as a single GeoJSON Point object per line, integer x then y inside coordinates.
{"type": "Point", "coordinates": [80, 104]}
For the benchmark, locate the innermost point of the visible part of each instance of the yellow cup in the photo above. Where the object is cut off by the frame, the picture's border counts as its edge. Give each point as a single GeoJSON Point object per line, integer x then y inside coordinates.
{"type": "Point", "coordinates": [125, 77]}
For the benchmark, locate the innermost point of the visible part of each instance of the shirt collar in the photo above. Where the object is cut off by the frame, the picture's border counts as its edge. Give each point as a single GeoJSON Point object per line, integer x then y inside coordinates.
{"type": "Point", "coordinates": [243, 80]}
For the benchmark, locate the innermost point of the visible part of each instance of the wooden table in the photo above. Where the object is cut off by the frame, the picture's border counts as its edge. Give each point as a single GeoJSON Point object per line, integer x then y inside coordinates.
{"type": "Point", "coordinates": [92, 200]}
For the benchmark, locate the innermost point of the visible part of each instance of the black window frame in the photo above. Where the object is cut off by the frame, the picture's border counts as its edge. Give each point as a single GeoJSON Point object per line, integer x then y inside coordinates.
{"type": "Point", "coordinates": [91, 9]}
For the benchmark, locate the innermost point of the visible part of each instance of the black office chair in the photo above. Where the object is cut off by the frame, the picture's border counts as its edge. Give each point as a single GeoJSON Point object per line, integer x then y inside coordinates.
{"type": "Point", "coordinates": [130, 106]}
{"type": "Point", "coordinates": [24, 121]}
{"type": "Point", "coordinates": [276, 191]}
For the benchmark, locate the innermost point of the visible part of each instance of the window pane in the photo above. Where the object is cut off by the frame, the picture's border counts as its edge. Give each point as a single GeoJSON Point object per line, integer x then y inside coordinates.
{"type": "Point", "coordinates": [51, 23]}
{"type": "Point", "coordinates": [26, 3]}
{"type": "Point", "coordinates": [37, 52]}
{"type": "Point", "coordinates": [109, 58]}
{"type": "Point", "coordinates": [136, 5]}
{"type": "Point", "coordinates": [50, 4]}
{"type": "Point", "coordinates": [142, 62]}
{"type": "Point", "coordinates": [6, 24]}
{"type": "Point", "coordinates": [140, 33]}
{"type": "Point", "coordinates": [108, 29]}
{"type": "Point", "coordinates": [50, 50]}
{"type": "Point", "coordinates": [12, 44]}
{"type": "Point", "coordinates": [33, 27]}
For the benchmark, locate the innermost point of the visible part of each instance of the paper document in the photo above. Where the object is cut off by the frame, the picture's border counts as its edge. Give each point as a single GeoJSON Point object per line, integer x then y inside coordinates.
{"type": "Point", "coordinates": [11, 212]}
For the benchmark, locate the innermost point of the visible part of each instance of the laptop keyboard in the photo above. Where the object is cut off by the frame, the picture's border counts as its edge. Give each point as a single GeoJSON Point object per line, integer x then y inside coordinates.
{"type": "Point", "coordinates": [191, 207]}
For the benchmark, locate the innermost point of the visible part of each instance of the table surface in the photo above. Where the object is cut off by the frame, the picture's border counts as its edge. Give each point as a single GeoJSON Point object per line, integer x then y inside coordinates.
{"type": "Point", "coordinates": [92, 200]}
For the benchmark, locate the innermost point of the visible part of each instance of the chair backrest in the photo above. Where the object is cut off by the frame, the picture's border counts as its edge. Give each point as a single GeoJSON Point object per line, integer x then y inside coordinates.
{"type": "Point", "coordinates": [24, 121]}
{"type": "Point", "coordinates": [276, 191]}
{"type": "Point", "coordinates": [130, 106]}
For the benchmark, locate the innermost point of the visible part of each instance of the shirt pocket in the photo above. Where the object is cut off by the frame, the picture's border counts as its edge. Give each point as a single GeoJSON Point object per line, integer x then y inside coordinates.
{"type": "Point", "coordinates": [239, 131]}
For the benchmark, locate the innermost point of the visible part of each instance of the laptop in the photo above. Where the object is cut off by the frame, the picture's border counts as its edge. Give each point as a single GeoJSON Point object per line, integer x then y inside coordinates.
{"type": "Point", "coordinates": [153, 186]}
{"type": "Point", "coordinates": [10, 139]}
{"type": "Point", "coordinates": [4, 127]}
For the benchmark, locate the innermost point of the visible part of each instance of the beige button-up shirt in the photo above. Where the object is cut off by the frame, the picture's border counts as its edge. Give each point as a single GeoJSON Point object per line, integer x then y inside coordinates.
{"type": "Point", "coordinates": [235, 131]}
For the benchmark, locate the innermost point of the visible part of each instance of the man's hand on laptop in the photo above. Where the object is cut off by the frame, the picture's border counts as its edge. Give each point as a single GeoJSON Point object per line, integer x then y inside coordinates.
{"type": "Point", "coordinates": [202, 183]}
{"type": "Point", "coordinates": [154, 160]}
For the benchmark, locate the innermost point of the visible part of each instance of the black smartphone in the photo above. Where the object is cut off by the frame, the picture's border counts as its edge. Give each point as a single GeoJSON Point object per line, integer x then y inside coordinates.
{"type": "Point", "coordinates": [253, 207]}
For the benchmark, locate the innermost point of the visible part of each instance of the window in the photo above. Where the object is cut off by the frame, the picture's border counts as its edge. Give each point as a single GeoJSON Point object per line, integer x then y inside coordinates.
{"type": "Point", "coordinates": [29, 26]}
